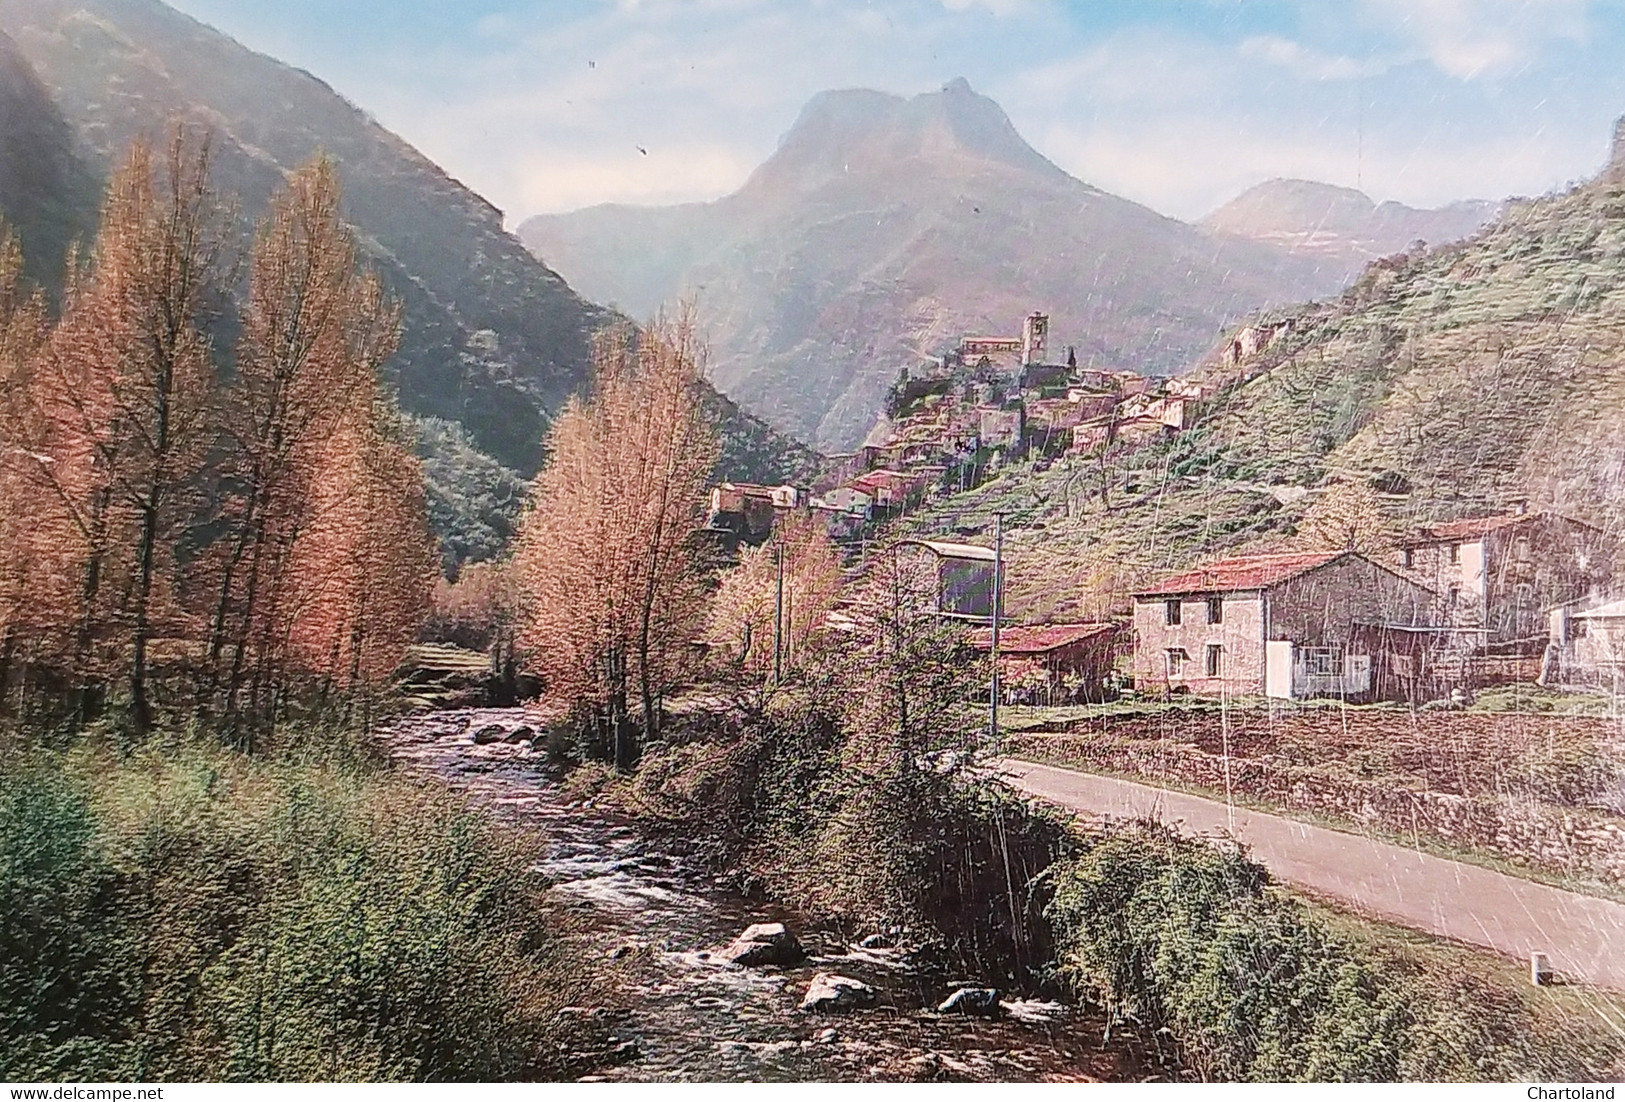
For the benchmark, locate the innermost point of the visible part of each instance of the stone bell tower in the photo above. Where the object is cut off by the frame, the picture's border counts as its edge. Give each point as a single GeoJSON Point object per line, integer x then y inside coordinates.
{"type": "Point", "coordinates": [1034, 338]}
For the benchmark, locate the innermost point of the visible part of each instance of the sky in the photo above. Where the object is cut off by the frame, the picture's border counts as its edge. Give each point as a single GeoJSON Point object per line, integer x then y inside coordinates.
{"type": "Point", "coordinates": [550, 105]}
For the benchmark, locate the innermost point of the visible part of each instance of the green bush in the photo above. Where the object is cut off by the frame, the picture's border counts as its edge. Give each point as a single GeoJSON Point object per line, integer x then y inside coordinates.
{"type": "Point", "coordinates": [848, 830]}
{"type": "Point", "coordinates": [201, 916]}
{"type": "Point", "coordinates": [1179, 935]}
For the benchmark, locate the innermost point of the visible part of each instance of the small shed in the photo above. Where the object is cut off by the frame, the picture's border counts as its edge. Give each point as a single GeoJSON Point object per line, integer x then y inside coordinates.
{"type": "Point", "coordinates": [1587, 642]}
{"type": "Point", "coordinates": [952, 579]}
{"type": "Point", "coordinates": [1072, 661]}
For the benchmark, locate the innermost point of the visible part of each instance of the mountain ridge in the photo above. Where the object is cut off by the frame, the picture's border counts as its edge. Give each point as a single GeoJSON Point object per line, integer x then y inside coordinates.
{"type": "Point", "coordinates": [1341, 224]}
{"type": "Point", "coordinates": [883, 227]}
{"type": "Point", "coordinates": [493, 338]}
{"type": "Point", "coordinates": [1469, 379]}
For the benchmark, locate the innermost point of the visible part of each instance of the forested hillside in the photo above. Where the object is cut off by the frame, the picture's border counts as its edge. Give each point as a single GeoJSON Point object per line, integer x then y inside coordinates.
{"type": "Point", "coordinates": [491, 338]}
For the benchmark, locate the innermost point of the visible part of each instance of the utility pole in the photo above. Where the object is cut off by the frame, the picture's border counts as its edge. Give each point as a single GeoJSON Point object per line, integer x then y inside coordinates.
{"type": "Point", "coordinates": [790, 628]}
{"type": "Point", "coordinates": [998, 603]}
{"type": "Point", "coordinates": [778, 613]}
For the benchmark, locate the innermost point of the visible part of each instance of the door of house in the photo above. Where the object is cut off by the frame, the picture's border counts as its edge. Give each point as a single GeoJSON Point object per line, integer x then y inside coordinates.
{"type": "Point", "coordinates": [1278, 659]}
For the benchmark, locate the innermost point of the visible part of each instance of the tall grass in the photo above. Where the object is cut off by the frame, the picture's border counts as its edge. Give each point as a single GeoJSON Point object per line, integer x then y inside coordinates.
{"type": "Point", "coordinates": [192, 914]}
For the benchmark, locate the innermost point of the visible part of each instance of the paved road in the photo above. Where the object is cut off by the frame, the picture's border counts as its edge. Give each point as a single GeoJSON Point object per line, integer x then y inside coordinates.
{"type": "Point", "coordinates": [1584, 936]}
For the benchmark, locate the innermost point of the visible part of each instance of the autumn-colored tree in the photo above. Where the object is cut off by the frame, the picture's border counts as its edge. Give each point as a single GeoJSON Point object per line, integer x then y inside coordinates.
{"type": "Point", "coordinates": [23, 577]}
{"type": "Point", "coordinates": [302, 418]}
{"type": "Point", "coordinates": [477, 610]}
{"type": "Point", "coordinates": [741, 622]}
{"type": "Point", "coordinates": [123, 391]}
{"type": "Point", "coordinates": [613, 586]}
{"type": "Point", "coordinates": [277, 528]}
{"type": "Point", "coordinates": [365, 562]}
{"type": "Point", "coordinates": [907, 659]}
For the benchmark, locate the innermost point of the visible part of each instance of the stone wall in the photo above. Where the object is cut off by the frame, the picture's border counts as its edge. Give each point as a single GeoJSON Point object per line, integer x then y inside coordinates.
{"type": "Point", "coordinates": [1448, 777]}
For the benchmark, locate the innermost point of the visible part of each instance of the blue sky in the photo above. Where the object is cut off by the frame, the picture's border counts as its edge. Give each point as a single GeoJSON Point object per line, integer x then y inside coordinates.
{"type": "Point", "coordinates": [543, 106]}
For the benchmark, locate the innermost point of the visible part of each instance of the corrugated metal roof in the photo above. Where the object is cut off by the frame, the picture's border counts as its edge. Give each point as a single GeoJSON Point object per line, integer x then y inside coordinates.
{"type": "Point", "coordinates": [1243, 572]}
{"type": "Point", "coordinates": [1037, 638]}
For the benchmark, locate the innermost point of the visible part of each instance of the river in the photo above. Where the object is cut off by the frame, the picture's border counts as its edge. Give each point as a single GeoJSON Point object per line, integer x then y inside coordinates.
{"type": "Point", "coordinates": [686, 1017]}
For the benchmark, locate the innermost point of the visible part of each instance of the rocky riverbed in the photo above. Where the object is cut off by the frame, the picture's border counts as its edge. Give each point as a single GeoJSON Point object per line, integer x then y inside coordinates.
{"type": "Point", "coordinates": [687, 1011]}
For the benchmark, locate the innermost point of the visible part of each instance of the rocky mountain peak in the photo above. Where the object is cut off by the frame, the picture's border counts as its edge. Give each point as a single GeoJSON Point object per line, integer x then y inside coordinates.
{"type": "Point", "coordinates": [862, 131]}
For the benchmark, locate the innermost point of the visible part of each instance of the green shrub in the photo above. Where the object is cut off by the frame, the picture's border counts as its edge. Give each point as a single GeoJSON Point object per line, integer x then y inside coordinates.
{"type": "Point", "coordinates": [1179, 935]}
{"type": "Point", "coordinates": [201, 916]}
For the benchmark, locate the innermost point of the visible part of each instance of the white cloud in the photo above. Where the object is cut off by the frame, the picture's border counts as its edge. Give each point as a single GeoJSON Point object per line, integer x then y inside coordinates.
{"type": "Point", "coordinates": [540, 111]}
{"type": "Point", "coordinates": [1300, 60]}
{"type": "Point", "coordinates": [1003, 9]}
{"type": "Point", "coordinates": [1469, 39]}
{"type": "Point", "coordinates": [546, 116]}
{"type": "Point", "coordinates": [1188, 165]}
{"type": "Point", "coordinates": [671, 174]}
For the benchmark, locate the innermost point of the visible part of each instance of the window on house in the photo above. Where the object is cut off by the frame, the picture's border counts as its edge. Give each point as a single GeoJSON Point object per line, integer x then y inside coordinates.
{"type": "Point", "coordinates": [1410, 558]}
{"type": "Point", "coordinates": [1455, 553]}
{"type": "Point", "coordinates": [1452, 597]}
{"type": "Point", "coordinates": [1320, 661]}
{"type": "Point", "coordinates": [1170, 610]}
{"type": "Point", "coordinates": [1215, 659]}
{"type": "Point", "coordinates": [1215, 610]}
{"type": "Point", "coordinates": [1176, 661]}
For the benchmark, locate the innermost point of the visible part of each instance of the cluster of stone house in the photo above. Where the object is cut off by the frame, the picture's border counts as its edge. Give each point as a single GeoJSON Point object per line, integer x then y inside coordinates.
{"type": "Point", "coordinates": [985, 402]}
{"type": "Point", "coordinates": [1507, 597]}
{"type": "Point", "coordinates": [1518, 596]}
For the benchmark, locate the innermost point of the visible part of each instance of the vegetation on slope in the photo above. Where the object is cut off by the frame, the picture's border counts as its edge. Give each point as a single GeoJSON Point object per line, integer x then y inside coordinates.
{"type": "Point", "coordinates": [1443, 383]}
{"type": "Point", "coordinates": [1177, 934]}
{"type": "Point", "coordinates": [186, 913]}
{"type": "Point", "coordinates": [491, 337]}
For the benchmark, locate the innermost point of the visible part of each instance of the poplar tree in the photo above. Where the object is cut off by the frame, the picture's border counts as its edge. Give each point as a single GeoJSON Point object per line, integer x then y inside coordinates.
{"type": "Point", "coordinates": [614, 586]}
{"type": "Point", "coordinates": [742, 614]}
{"type": "Point", "coordinates": [125, 389]}
{"type": "Point", "coordinates": [316, 331]}
{"type": "Point", "coordinates": [24, 554]}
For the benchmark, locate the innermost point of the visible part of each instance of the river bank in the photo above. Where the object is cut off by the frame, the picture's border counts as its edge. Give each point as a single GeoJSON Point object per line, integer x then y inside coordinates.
{"type": "Point", "coordinates": [657, 906]}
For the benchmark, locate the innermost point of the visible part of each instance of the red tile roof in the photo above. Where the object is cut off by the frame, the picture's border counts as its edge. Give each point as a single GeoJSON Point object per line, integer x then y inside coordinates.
{"type": "Point", "coordinates": [1244, 572]}
{"type": "Point", "coordinates": [875, 480]}
{"type": "Point", "coordinates": [1475, 527]}
{"type": "Point", "coordinates": [1036, 639]}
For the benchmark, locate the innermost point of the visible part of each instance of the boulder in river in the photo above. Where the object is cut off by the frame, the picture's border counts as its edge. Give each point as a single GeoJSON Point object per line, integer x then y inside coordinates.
{"type": "Point", "coordinates": [763, 943]}
{"type": "Point", "coordinates": [518, 734]}
{"type": "Point", "coordinates": [981, 1002]}
{"type": "Point", "coordinates": [491, 732]}
{"type": "Point", "coordinates": [830, 994]}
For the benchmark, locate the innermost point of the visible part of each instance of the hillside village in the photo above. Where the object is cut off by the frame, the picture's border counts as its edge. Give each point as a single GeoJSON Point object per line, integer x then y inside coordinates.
{"type": "Point", "coordinates": [984, 404]}
{"type": "Point", "coordinates": [1446, 609]}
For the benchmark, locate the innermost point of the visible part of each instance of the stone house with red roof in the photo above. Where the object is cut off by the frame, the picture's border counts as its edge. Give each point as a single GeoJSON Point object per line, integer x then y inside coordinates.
{"type": "Point", "coordinates": [1074, 660]}
{"type": "Point", "coordinates": [1495, 576]}
{"type": "Point", "coordinates": [1277, 625]}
